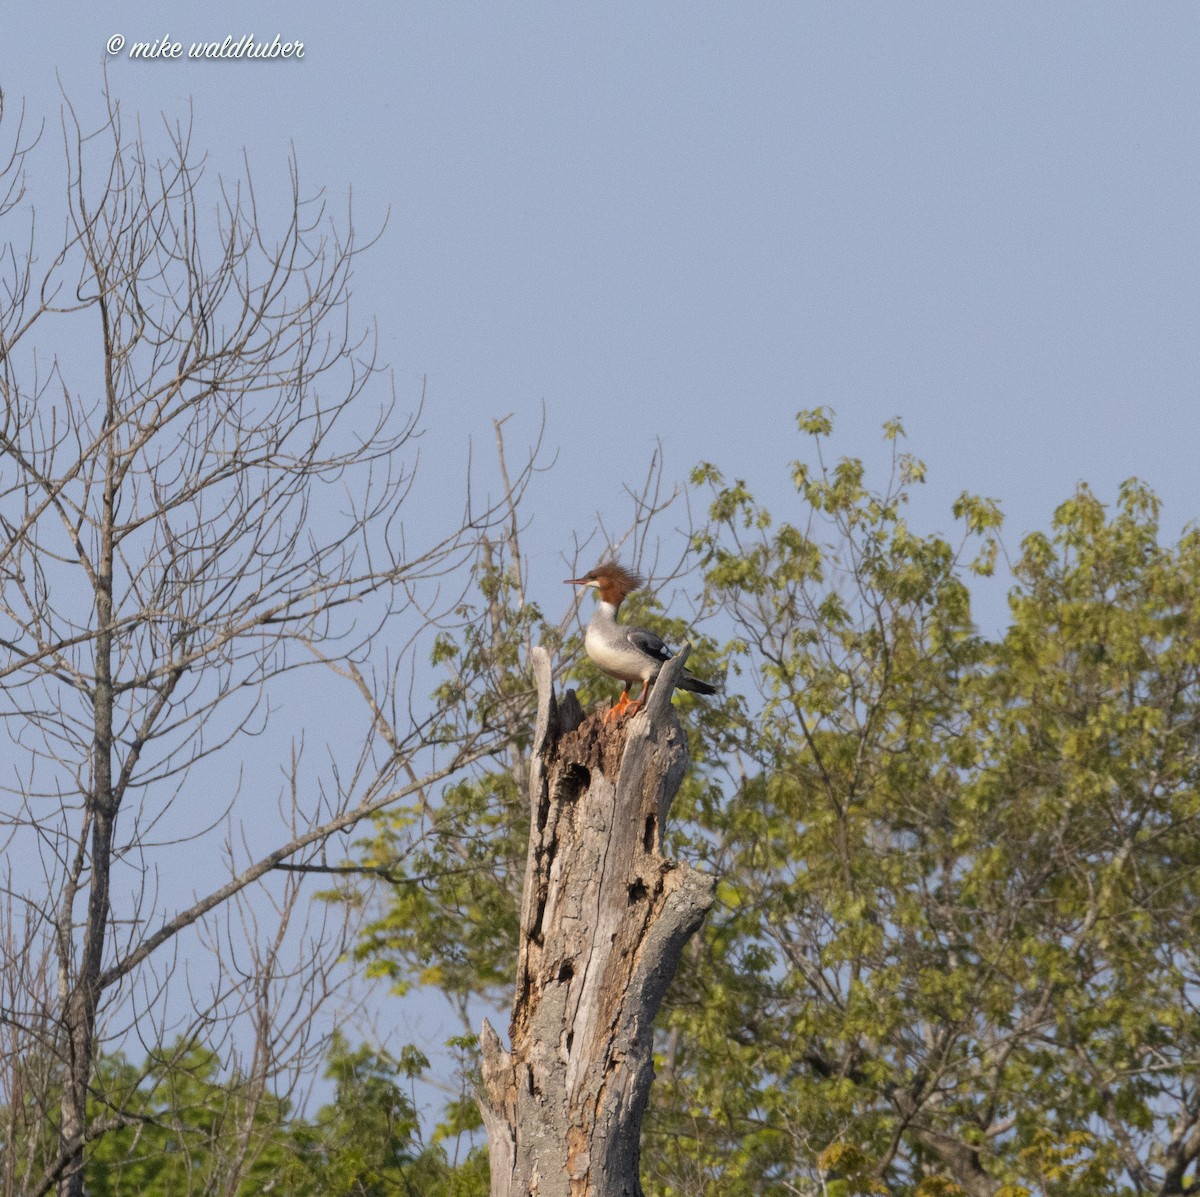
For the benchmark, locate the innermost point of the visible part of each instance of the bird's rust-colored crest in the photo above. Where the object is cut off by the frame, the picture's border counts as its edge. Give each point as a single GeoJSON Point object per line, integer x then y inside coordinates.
{"type": "Point", "coordinates": [613, 581]}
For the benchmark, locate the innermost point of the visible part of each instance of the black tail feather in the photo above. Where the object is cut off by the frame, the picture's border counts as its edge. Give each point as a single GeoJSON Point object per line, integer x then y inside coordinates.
{"type": "Point", "coordinates": [690, 682]}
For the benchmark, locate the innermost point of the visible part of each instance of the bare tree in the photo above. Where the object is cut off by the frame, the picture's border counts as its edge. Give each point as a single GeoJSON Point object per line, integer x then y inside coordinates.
{"type": "Point", "coordinates": [198, 498]}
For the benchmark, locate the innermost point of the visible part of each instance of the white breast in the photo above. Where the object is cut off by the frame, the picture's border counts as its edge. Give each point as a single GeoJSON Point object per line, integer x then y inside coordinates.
{"type": "Point", "coordinates": [606, 643]}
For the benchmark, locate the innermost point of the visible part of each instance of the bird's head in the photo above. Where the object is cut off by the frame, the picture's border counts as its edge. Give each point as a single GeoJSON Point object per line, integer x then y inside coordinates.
{"type": "Point", "coordinates": [613, 581]}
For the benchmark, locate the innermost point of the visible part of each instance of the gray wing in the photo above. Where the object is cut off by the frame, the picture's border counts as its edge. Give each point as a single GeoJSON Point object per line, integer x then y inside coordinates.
{"type": "Point", "coordinates": [648, 642]}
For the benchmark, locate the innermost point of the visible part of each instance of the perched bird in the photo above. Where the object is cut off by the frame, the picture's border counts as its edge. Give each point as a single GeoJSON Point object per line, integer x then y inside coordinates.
{"type": "Point", "coordinates": [628, 654]}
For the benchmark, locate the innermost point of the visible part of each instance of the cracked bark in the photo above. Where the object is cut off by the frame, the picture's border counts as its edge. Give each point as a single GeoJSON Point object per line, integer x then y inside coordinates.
{"type": "Point", "coordinates": [604, 918]}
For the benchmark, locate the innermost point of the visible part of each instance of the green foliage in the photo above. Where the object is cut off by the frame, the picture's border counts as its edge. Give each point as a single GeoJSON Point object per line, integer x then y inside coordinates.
{"type": "Point", "coordinates": [954, 943]}
{"type": "Point", "coordinates": [177, 1126]}
{"type": "Point", "coordinates": [366, 1143]}
{"type": "Point", "coordinates": [185, 1129]}
{"type": "Point", "coordinates": [456, 928]}
{"type": "Point", "coordinates": [958, 907]}
{"type": "Point", "coordinates": [450, 919]}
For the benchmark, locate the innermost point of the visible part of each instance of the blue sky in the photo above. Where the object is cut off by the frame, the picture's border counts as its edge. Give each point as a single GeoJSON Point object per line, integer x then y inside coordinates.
{"type": "Point", "coordinates": [684, 222]}
{"type": "Point", "coordinates": [687, 221]}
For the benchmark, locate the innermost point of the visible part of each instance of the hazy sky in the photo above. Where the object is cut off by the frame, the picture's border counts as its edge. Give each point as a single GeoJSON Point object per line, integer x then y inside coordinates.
{"type": "Point", "coordinates": [686, 221]}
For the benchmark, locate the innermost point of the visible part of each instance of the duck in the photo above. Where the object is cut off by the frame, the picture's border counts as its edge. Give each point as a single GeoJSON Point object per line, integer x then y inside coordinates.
{"type": "Point", "coordinates": [624, 652]}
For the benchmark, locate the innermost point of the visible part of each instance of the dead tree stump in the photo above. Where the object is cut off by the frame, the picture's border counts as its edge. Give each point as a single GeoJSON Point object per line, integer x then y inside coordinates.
{"type": "Point", "coordinates": [604, 918]}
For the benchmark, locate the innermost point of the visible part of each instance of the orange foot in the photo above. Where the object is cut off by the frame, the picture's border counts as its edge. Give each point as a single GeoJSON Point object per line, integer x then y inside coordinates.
{"type": "Point", "coordinates": [623, 705]}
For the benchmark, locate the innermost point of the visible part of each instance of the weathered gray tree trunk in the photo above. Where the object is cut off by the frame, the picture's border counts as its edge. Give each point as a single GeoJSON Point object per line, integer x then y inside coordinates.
{"type": "Point", "coordinates": [604, 918]}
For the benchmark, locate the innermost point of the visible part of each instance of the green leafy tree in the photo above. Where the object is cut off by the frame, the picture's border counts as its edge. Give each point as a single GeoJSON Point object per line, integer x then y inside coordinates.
{"type": "Point", "coordinates": [954, 946]}
{"type": "Point", "coordinates": [367, 1142]}
{"type": "Point", "coordinates": [183, 1128]}
{"type": "Point", "coordinates": [179, 1124]}
{"type": "Point", "coordinates": [956, 949]}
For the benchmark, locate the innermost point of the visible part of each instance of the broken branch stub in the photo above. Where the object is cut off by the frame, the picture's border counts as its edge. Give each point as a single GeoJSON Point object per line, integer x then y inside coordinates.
{"type": "Point", "coordinates": [604, 919]}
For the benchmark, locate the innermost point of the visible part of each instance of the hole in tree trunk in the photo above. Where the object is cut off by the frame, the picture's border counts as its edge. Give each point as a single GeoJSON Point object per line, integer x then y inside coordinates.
{"type": "Point", "coordinates": [648, 834]}
{"type": "Point", "coordinates": [574, 780]}
{"type": "Point", "coordinates": [637, 891]}
{"type": "Point", "coordinates": [565, 971]}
